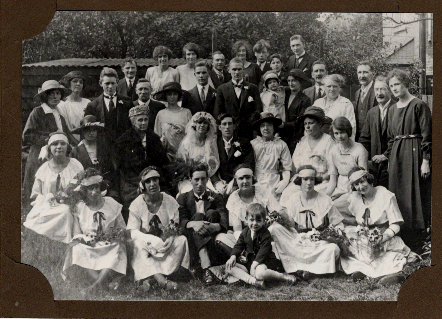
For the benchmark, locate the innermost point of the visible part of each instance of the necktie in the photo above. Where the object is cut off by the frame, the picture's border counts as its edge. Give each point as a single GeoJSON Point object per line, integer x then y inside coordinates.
{"type": "Point", "coordinates": [197, 199]}
{"type": "Point", "coordinates": [366, 217]}
{"type": "Point", "coordinates": [221, 77]}
{"type": "Point", "coordinates": [320, 93]}
{"type": "Point", "coordinates": [111, 105]}
{"type": "Point", "coordinates": [98, 217]}
{"type": "Point", "coordinates": [58, 183]}
{"type": "Point", "coordinates": [227, 146]}
{"type": "Point", "coordinates": [203, 97]}
{"type": "Point", "coordinates": [362, 95]}
{"type": "Point", "coordinates": [130, 86]}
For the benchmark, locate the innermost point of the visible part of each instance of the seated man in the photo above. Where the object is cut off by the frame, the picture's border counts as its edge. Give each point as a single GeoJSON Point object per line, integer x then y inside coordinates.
{"type": "Point", "coordinates": [202, 217]}
{"type": "Point", "coordinates": [232, 150]}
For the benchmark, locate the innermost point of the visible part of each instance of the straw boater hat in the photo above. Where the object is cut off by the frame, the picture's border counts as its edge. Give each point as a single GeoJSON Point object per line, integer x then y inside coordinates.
{"type": "Point", "coordinates": [87, 122]}
{"type": "Point", "coordinates": [266, 117]}
{"type": "Point", "coordinates": [51, 85]}
{"type": "Point", "coordinates": [73, 75]}
{"type": "Point", "coordinates": [169, 86]}
{"type": "Point", "coordinates": [313, 112]}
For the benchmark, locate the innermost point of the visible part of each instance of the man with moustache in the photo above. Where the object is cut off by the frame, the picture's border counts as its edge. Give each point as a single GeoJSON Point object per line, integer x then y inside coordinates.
{"type": "Point", "coordinates": [238, 98]}
{"type": "Point", "coordinates": [301, 60]}
{"type": "Point", "coordinates": [365, 97]}
{"type": "Point", "coordinates": [319, 70]}
{"type": "Point", "coordinates": [127, 85]}
{"type": "Point", "coordinates": [218, 72]}
{"type": "Point", "coordinates": [110, 108]}
{"type": "Point", "coordinates": [232, 150]}
{"type": "Point", "coordinates": [143, 90]}
{"type": "Point", "coordinates": [202, 97]}
{"type": "Point", "coordinates": [374, 132]}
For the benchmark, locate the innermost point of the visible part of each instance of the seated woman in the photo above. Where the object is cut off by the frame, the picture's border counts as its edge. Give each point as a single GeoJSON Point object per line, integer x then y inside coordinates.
{"type": "Point", "coordinates": [200, 145]}
{"type": "Point", "coordinates": [171, 122]}
{"type": "Point", "coordinates": [378, 251]}
{"type": "Point", "coordinates": [238, 201]}
{"type": "Point", "coordinates": [93, 150]}
{"type": "Point", "coordinates": [97, 220]}
{"type": "Point", "coordinates": [50, 217]}
{"type": "Point", "coordinates": [344, 155]}
{"type": "Point", "coordinates": [272, 155]}
{"type": "Point", "coordinates": [313, 149]}
{"type": "Point", "coordinates": [152, 217]}
{"type": "Point", "coordinates": [306, 210]}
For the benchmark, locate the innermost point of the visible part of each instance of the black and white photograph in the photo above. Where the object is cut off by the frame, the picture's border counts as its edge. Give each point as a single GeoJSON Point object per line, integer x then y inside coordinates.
{"type": "Point", "coordinates": [227, 156]}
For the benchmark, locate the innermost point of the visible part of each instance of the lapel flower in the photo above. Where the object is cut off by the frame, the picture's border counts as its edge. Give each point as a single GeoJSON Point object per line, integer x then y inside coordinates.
{"type": "Point", "coordinates": [246, 87]}
{"type": "Point", "coordinates": [236, 143]}
{"type": "Point", "coordinates": [120, 102]}
{"type": "Point", "coordinates": [250, 99]}
{"type": "Point", "coordinates": [95, 161]}
{"type": "Point", "coordinates": [237, 154]}
{"type": "Point", "coordinates": [210, 196]}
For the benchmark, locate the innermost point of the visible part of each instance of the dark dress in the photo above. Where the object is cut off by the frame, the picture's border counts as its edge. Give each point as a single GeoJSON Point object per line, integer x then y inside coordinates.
{"type": "Point", "coordinates": [131, 158]}
{"type": "Point", "coordinates": [35, 134]}
{"type": "Point", "coordinates": [259, 249]}
{"type": "Point", "coordinates": [410, 141]}
{"type": "Point", "coordinates": [252, 74]}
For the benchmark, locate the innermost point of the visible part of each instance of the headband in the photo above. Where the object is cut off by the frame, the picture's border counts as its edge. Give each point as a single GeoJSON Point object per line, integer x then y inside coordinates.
{"type": "Point", "coordinates": [88, 181]}
{"type": "Point", "coordinates": [244, 171]}
{"type": "Point", "coordinates": [58, 137]}
{"type": "Point", "coordinates": [150, 174]}
{"type": "Point", "coordinates": [307, 172]}
{"type": "Point", "coordinates": [357, 175]}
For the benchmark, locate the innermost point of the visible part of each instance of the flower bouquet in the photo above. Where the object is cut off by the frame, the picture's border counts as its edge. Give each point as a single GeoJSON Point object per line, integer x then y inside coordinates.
{"type": "Point", "coordinates": [337, 236]}
{"type": "Point", "coordinates": [368, 242]}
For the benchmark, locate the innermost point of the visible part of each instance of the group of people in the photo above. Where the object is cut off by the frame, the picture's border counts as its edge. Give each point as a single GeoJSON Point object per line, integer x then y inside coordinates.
{"type": "Point", "coordinates": [191, 162]}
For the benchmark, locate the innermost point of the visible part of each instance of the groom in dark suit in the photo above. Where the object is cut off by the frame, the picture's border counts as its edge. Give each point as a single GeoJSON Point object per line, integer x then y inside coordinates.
{"type": "Point", "coordinates": [127, 85]}
{"type": "Point", "coordinates": [238, 98]}
{"type": "Point", "coordinates": [202, 216]}
{"type": "Point", "coordinates": [111, 108]}
{"type": "Point", "coordinates": [202, 96]}
{"type": "Point", "coordinates": [232, 150]}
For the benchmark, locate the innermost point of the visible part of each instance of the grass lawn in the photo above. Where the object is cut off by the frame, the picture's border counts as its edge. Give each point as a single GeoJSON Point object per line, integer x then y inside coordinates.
{"type": "Point", "coordinates": [48, 256]}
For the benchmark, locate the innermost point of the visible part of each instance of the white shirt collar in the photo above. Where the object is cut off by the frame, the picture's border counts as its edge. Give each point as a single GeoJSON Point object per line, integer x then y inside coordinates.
{"type": "Point", "coordinates": [127, 81]}
{"type": "Point", "coordinates": [229, 141]}
{"type": "Point", "coordinates": [383, 108]}
{"type": "Point", "coordinates": [46, 108]}
{"type": "Point", "coordinates": [301, 55]}
{"type": "Point", "coordinates": [142, 103]}
{"type": "Point", "coordinates": [197, 196]}
{"type": "Point", "coordinates": [204, 87]}
{"type": "Point", "coordinates": [366, 88]}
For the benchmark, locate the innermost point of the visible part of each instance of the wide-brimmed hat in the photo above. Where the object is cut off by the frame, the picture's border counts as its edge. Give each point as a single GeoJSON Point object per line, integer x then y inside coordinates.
{"type": "Point", "coordinates": [51, 85]}
{"type": "Point", "coordinates": [315, 112]}
{"type": "Point", "coordinates": [89, 121]}
{"type": "Point", "coordinates": [270, 75]}
{"type": "Point", "coordinates": [298, 74]}
{"type": "Point", "coordinates": [266, 117]}
{"type": "Point", "coordinates": [72, 75]}
{"type": "Point", "coordinates": [169, 86]}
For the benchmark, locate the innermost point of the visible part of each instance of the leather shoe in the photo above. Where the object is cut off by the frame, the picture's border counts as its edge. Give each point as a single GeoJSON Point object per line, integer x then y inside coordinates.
{"type": "Point", "coordinates": [303, 274]}
{"type": "Point", "coordinates": [208, 277]}
{"type": "Point", "coordinates": [387, 280]}
{"type": "Point", "coordinates": [195, 273]}
{"type": "Point", "coordinates": [357, 276]}
{"type": "Point", "coordinates": [290, 279]}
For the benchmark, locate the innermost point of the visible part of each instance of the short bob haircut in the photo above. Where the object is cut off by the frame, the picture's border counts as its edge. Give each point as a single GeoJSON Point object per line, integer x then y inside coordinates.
{"type": "Point", "coordinates": [297, 37]}
{"type": "Point", "coordinates": [109, 72]}
{"type": "Point", "coordinates": [69, 148]}
{"type": "Point", "coordinates": [256, 210]}
{"type": "Point", "coordinates": [261, 45]}
{"type": "Point", "coordinates": [161, 50]}
{"type": "Point", "coordinates": [275, 56]}
{"type": "Point", "coordinates": [244, 165]}
{"type": "Point", "coordinates": [298, 180]}
{"type": "Point", "coordinates": [242, 43]}
{"type": "Point", "coordinates": [335, 78]}
{"type": "Point", "coordinates": [192, 47]}
{"type": "Point", "coordinates": [402, 76]}
{"type": "Point", "coordinates": [341, 123]}
{"type": "Point", "coordinates": [369, 177]}
{"type": "Point", "coordinates": [200, 167]}
{"type": "Point", "coordinates": [128, 60]}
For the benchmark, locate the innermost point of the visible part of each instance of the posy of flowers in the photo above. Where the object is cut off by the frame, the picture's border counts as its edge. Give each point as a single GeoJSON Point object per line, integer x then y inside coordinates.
{"type": "Point", "coordinates": [99, 238]}
{"type": "Point", "coordinates": [71, 195]}
{"type": "Point", "coordinates": [170, 230]}
{"type": "Point", "coordinates": [332, 235]}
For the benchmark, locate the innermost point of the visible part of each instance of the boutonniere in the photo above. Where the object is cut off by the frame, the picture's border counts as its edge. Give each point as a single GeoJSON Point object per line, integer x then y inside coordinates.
{"type": "Point", "coordinates": [250, 99]}
{"type": "Point", "coordinates": [120, 102]}
{"type": "Point", "coordinates": [95, 161]}
{"type": "Point", "coordinates": [214, 94]}
{"type": "Point", "coordinates": [246, 87]}
{"type": "Point", "coordinates": [236, 144]}
{"type": "Point", "coordinates": [237, 154]}
{"type": "Point", "coordinates": [210, 198]}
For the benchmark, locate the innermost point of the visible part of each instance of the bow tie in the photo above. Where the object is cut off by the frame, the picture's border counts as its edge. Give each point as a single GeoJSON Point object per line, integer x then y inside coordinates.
{"type": "Point", "coordinates": [239, 86]}
{"type": "Point", "coordinates": [108, 97]}
{"type": "Point", "coordinates": [197, 199]}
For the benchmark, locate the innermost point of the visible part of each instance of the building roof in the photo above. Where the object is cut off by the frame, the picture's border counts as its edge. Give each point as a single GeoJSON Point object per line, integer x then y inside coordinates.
{"type": "Point", "coordinates": [94, 62]}
{"type": "Point", "coordinates": [403, 55]}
